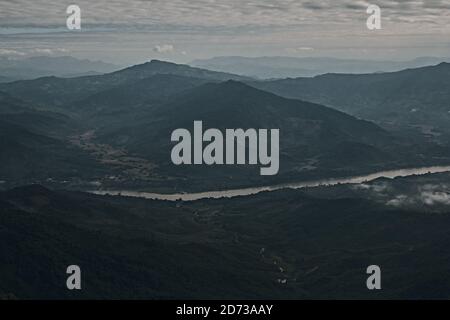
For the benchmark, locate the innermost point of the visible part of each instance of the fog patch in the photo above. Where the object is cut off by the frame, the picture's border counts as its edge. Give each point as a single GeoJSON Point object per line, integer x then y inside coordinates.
{"type": "Point", "coordinates": [427, 195]}
{"type": "Point", "coordinates": [401, 200]}
{"type": "Point", "coordinates": [380, 187]}
{"type": "Point", "coordinates": [435, 194]}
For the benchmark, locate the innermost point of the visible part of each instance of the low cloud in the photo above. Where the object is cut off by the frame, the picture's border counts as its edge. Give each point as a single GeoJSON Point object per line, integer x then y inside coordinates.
{"type": "Point", "coordinates": [165, 48]}
{"type": "Point", "coordinates": [16, 53]}
{"type": "Point", "coordinates": [401, 200]}
{"type": "Point", "coordinates": [299, 49]}
{"type": "Point", "coordinates": [427, 195]}
{"type": "Point", "coordinates": [49, 51]}
{"type": "Point", "coordinates": [435, 198]}
{"type": "Point", "coordinates": [435, 194]}
{"type": "Point", "coordinates": [378, 188]}
{"type": "Point", "coordinates": [10, 53]}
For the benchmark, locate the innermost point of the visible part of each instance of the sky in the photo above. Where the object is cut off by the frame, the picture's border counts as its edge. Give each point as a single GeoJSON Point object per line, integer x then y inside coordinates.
{"type": "Point", "coordinates": [133, 31]}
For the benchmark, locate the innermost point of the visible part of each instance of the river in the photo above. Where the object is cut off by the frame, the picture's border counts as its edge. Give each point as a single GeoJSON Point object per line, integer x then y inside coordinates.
{"type": "Point", "coordinates": [251, 191]}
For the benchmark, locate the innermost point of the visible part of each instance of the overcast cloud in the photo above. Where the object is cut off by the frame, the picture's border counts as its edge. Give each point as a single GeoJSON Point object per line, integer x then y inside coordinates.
{"type": "Point", "coordinates": [203, 28]}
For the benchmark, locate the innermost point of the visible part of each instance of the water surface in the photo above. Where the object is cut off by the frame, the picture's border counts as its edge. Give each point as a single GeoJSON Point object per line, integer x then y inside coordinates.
{"type": "Point", "coordinates": [298, 185]}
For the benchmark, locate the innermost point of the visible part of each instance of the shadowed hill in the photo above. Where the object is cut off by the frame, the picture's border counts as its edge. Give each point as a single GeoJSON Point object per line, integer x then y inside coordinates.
{"type": "Point", "coordinates": [413, 97]}
{"type": "Point", "coordinates": [273, 245]}
{"type": "Point", "coordinates": [58, 92]}
{"type": "Point", "coordinates": [314, 140]}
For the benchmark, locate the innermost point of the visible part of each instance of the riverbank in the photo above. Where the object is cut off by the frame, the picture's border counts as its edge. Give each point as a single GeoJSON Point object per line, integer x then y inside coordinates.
{"type": "Point", "coordinates": [390, 174]}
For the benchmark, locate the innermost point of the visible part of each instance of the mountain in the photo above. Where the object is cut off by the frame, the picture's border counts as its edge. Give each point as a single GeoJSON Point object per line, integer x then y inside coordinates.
{"type": "Point", "coordinates": [34, 145]}
{"type": "Point", "coordinates": [63, 116]}
{"type": "Point", "coordinates": [58, 92]}
{"type": "Point", "coordinates": [414, 97]}
{"type": "Point", "coordinates": [112, 132]}
{"type": "Point", "coordinates": [138, 96]}
{"type": "Point", "coordinates": [291, 67]}
{"type": "Point", "coordinates": [29, 155]}
{"type": "Point", "coordinates": [123, 122]}
{"type": "Point", "coordinates": [65, 66]}
{"type": "Point", "coordinates": [153, 67]}
{"type": "Point", "coordinates": [315, 141]}
{"type": "Point", "coordinates": [9, 104]}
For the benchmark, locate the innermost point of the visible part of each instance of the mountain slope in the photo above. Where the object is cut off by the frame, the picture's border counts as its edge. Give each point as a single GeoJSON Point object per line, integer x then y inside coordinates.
{"type": "Point", "coordinates": [59, 92]}
{"type": "Point", "coordinates": [124, 120]}
{"type": "Point", "coordinates": [153, 67]}
{"type": "Point", "coordinates": [6, 79]}
{"type": "Point", "coordinates": [237, 248]}
{"type": "Point", "coordinates": [138, 96]}
{"type": "Point", "coordinates": [315, 141]}
{"type": "Point", "coordinates": [28, 155]}
{"type": "Point", "coordinates": [9, 104]}
{"type": "Point", "coordinates": [55, 118]}
{"type": "Point", "coordinates": [34, 145]}
{"type": "Point", "coordinates": [414, 97]}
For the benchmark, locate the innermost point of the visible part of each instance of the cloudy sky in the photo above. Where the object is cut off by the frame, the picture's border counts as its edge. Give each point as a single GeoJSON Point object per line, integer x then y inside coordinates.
{"type": "Point", "coordinates": [132, 31]}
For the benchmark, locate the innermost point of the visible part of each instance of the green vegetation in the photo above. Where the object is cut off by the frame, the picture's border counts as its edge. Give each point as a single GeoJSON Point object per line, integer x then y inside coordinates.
{"type": "Point", "coordinates": [114, 130]}
{"type": "Point", "coordinates": [239, 248]}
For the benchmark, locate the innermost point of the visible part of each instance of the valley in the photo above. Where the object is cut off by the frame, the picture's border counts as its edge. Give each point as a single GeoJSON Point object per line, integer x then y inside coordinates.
{"type": "Point", "coordinates": [285, 244]}
{"type": "Point", "coordinates": [129, 166]}
{"type": "Point", "coordinates": [217, 157]}
{"type": "Point", "coordinates": [86, 177]}
{"type": "Point", "coordinates": [134, 111]}
{"type": "Point", "coordinates": [300, 185]}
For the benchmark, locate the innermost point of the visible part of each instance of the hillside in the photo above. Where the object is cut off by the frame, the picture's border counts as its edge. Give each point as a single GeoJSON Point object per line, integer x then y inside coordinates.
{"type": "Point", "coordinates": [243, 248]}
{"type": "Point", "coordinates": [315, 141]}
{"type": "Point", "coordinates": [58, 92]}
{"type": "Point", "coordinates": [413, 98]}
{"type": "Point", "coordinates": [123, 122]}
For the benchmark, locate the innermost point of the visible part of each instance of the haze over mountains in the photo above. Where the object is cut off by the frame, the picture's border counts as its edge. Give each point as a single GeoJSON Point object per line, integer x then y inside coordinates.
{"type": "Point", "coordinates": [291, 67]}
{"type": "Point", "coordinates": [42, 66]}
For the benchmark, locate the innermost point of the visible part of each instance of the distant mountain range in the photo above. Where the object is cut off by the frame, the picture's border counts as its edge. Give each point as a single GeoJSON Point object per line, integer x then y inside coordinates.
{"type": "Point", "coordinates": [35, 67]}
{"type": "Point", "coordinates": [119, 125]}
{"type": "Point", "coordinates": [291, 67]}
